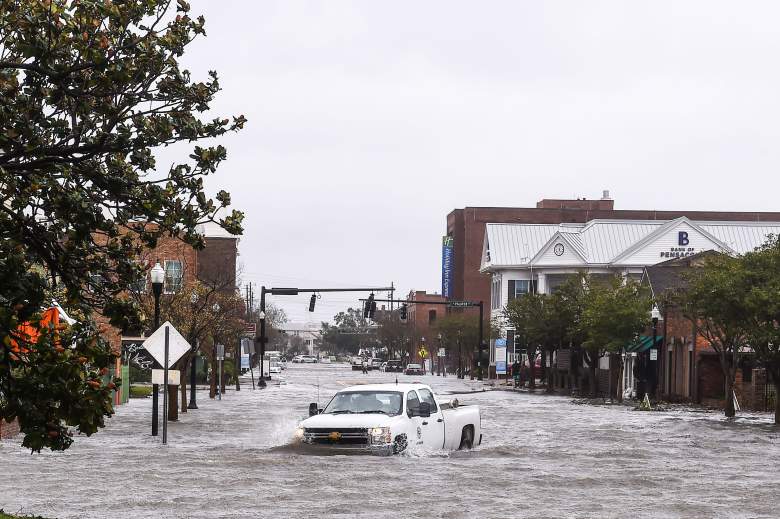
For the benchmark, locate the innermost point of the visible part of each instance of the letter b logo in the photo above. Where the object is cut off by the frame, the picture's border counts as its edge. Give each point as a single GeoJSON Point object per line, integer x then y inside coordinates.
{"type": "Point", "coordinates": [682, 238]}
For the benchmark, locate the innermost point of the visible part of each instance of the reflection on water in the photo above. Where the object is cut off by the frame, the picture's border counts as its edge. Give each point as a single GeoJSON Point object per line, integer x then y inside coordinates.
{"type": "Point", "coordinates": [541, 457]}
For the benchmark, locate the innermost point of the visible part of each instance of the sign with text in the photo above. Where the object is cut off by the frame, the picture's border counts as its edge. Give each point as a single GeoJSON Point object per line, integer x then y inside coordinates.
{"type": "Point", "coordinates": [447, 252]}
{"type": "Point", "coordinates": [653, 354]}
{"type": "Point", "coordinates": [442, 353]}
{"type": "Point", "coordinates": [250, 329]}
{"type": "Point", "coordinates": [500, 345]}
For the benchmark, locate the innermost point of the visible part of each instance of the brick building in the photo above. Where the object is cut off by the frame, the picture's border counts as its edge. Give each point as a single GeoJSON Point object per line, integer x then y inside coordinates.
{"type": "Point", "coordinates": [466, 227]}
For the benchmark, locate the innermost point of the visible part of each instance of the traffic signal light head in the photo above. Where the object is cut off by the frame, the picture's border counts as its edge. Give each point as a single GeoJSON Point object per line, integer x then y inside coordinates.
{"type": "Point", "coordinates": [371, 304]}
{"type": "Point", "coordinates": [402, 312]}
{"type": "Point", "coordinates": [312, 302]}
{"type": "Point", "coordinates": [366, 309]}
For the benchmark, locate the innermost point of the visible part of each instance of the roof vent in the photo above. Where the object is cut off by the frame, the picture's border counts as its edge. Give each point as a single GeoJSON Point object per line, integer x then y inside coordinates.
{"type": "Point", "coordinates": [605, 195]}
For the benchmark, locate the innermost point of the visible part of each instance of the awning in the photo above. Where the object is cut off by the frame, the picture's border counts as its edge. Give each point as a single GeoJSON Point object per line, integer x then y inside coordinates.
{"type": "Point", "coordinates": [643, 343]}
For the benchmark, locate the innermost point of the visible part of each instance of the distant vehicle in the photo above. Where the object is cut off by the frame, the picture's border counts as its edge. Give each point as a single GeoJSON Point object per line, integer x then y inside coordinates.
{"type": "Point", "coordinates": [414, 369]}
{"type": "Point", "coordinates": [275, 369]}
{"type": "Point", "coordinates": [357, 363]}
{"type": "Point", "coordinates": [375, 363]}
{"type": "Point", "coordinates": [393, 366]}
{"type": "Point", "coordinates": [325, 360]}
{"type": "Point", "coordinates": [382, 366]}
{"type": "Point", "coordinates": [308, 359]}
{"type": "Point", "coordinates": [388, 419]}
{"type": "Point", "coordinates": [296, 359]}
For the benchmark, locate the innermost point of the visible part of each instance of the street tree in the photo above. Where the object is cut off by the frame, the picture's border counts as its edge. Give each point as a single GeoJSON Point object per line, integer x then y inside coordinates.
{"type": "Point", "coordinates": [716, 302]}
{"type": "Point", "coordinates": [460, 335]}
{"type": "Point", "coordinates": [761, 271]}
{"type": "Point", "coordinates": [88, 92]}
{"type": "Point", "coordinates": [531, 315]}
{"type": "Point", "coordinates": [349, 332]}
{"type": "Point", "coordinates": [614, 313]}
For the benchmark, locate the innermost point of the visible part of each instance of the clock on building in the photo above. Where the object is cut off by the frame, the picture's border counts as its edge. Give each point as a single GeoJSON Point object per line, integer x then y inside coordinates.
{"type": "Point", "coordinates": [558, 249]}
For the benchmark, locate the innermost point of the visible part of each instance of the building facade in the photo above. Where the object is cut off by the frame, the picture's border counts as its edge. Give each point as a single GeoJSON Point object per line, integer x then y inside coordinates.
{"type": "Point", "coordinates": [521, 258]}
{"type": "Point", "coordinates": [466, 232]}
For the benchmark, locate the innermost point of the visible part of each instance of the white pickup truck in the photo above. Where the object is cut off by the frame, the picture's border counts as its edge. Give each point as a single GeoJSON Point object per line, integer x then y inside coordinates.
{"type": "Point", "coordinates": [388, 419]}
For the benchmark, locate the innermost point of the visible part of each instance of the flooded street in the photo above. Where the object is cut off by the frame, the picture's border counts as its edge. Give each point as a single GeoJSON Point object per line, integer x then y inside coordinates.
{"type": "Point", "coordinates": [541, 456]}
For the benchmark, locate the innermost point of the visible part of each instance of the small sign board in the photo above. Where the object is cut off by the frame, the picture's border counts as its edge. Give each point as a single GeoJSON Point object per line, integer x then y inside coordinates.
{"type": "Point", "coordinates": [460, 304]}
{"type": "Point", "coordinates": [654, 354]}
{"type": "Point", "coordinates": [442, 352]}
{"type": "Point", "coordinates": [220, 352]}
{"type": "Point", "coordinates": [250, 329]}
{"type": "Point", "coordinates": [245, 361]}
{"type": "Point", "coordinates": [177, 345]}
{"type": "Point", "coordinates": [500, 345]}
{"type": "Point", "coordinates": [174, 376]}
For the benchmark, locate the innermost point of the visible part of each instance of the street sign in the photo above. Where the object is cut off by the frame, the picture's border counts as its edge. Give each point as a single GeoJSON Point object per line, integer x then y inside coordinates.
{"type": "Point", "coordinates": [177, 345]}
{"type": "Point", "coordinates": [460, 304]}
{"type": "Point", "coordinates": [250, 329]}
{"type": "Point", "coordinates": [174, 376]}
{"type": "Point", "coordinates": [442, 353]}
{"type": "Point", "coordinates": [653, 354]}
{"type": "Point", "coordinates": [500, 345]}
{"type": "Point", "coordinates": [220, 352]}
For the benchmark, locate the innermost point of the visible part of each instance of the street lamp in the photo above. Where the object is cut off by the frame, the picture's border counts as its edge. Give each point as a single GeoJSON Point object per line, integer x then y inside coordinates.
{"type": "Point", "coordinates": [460, 355]}
{"type": "Point", "coordinates": [655, 316]}
{"type": "Point", "coordinates": [158, 279]}
{"type": "Point", "coordinates": [438, 358]}
{"type": "Point", "coordinates": [261, 316]}
{"type": "Point", "coordinates": [194, 366]}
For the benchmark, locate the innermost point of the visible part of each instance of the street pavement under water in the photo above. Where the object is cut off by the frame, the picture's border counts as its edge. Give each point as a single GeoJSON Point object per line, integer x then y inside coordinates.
{"type": "Point", "coordinates": [542, 456]}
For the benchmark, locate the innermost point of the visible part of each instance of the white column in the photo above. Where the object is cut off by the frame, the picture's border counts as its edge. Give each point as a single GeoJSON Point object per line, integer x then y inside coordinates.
{"type": "Point", "coordinates": [541, 283]}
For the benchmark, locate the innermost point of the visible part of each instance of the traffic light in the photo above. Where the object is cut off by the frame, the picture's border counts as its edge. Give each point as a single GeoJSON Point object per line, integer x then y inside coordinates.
{"type": "Point", "coordinates": [312, 302]}
{"type": "Point", "coordinates": [371, 306]}
{"type": "Point", "coordinates": [484, 356]}
{"type": "Point", "coordinates": [366, 309]}
{"type": "Point", "coordinates": [402, 312]}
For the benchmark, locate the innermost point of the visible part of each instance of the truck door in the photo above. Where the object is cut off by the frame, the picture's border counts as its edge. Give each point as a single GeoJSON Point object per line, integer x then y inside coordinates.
{"type": "Point", "coordinates": [415, 435]}
{"type": "Point", "coordinates": [433, 426]}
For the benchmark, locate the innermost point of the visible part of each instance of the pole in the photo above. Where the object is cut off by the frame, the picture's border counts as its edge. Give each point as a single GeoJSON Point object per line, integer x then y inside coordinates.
{"type": "Point", "coordinates": [219, 383]}
{"type": "Point", "coordinates": [654, 385]}
{"type": "Point", "coordinates": [193, 375]}
{"type": "Point", "coordinates": [261, 381]}
{"type": "Point", "coordinates": [251, 373]}
{"type": "Point", "coordinates": [165, 390]}
{"type": "Point", "coordinates": [157, 290]}
{"type": "Point", "coordinates": [481, 333]}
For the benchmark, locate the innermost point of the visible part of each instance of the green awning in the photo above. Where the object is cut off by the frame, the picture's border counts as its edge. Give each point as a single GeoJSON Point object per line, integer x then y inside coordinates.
{"type": "Point", "coordinates": [643, 343]}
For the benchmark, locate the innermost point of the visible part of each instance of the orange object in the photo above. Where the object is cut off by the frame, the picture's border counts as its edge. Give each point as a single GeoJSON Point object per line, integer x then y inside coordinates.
{"type": "Point", "coordinates": [28, 333]}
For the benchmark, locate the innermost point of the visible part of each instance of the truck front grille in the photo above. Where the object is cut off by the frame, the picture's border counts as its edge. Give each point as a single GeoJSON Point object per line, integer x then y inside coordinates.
{"type": "Point", "coordinates": [340, 436]}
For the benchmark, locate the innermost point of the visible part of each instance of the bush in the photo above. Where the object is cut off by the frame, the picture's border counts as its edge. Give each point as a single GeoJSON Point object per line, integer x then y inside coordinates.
{"type": "Point", "coordinates": [139, 392]}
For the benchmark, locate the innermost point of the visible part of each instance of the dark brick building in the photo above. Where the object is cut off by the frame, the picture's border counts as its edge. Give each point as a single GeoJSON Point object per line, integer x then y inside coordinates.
{"type": "Point", "coordinates": [467, 228]}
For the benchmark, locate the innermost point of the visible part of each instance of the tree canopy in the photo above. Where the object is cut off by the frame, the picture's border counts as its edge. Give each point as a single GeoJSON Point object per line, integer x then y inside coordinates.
{"type": "Point", "coordinates": [89, 90]}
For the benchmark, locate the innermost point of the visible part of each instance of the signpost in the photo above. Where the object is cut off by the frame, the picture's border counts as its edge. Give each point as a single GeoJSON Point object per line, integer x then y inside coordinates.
{"type": "Point", "coordinates": [220, 358]}
{"type": "Point", "coordinates": [166, 346]}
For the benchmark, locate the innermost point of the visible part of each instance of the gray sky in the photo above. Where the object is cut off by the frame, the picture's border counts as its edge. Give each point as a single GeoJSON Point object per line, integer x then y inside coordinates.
{"type": "Point", "coordinates": [370, 121]}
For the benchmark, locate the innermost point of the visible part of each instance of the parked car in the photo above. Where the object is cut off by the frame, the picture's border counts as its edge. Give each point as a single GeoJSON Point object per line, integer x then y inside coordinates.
{"type": "Point", "coordinates": [275, 368]}
{"type": "Point", "coordinates": [393, 366]}
{"type": "Point", "coordinates": [297, 359]}
{"type": "Point", "coordinates": [375, 363]}
{"type": "Point", "coordinates": [388, 419]}
{"type": "Point", "coordinates": [308, 359]}
{"type": "Point", "coordinates": [414, 369]}
{"type": "Point", "coordinates": [357, 363]}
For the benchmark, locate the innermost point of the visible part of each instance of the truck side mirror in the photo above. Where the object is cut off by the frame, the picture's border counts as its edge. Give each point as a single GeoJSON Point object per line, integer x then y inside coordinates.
{"type": "Point", "coordinates": [313, 409]}
{"type": "Point", "coordinates": [424, 410]}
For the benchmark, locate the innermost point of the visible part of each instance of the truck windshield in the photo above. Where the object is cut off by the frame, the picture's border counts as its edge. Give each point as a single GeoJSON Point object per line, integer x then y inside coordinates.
{"type": "Point", "coordinates": [365, 402]}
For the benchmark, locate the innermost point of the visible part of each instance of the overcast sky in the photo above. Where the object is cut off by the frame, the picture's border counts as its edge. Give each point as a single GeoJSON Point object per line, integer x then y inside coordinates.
{"type": "Point", "coordinates": [370, 121]}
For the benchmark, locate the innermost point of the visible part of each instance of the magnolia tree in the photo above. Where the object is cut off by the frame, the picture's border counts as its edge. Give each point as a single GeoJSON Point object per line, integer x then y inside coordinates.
{"type": "Point", "coordinates": [88, 91]}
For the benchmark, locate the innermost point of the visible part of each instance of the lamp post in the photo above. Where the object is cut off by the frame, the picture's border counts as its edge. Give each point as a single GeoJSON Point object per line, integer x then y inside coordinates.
{"type": "Point", "coordinates": [261, 379]}
{"type": "Point", "coordinates": [655, 316]}
{"type": "Point", "coordinates": [460, 355]}
{"type": "Point", "coordinates": [158, 279]}
{"type": "Point", "coordinates": [194, 366]}
{"type": "Point", "coordinates": [438, 358]}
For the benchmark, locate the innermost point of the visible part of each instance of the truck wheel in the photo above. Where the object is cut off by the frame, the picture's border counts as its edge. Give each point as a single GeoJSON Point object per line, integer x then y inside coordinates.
{"type": "Point", "coordinates": [399, 444]}
{"type": "Point", "coordinates": [467, 438]}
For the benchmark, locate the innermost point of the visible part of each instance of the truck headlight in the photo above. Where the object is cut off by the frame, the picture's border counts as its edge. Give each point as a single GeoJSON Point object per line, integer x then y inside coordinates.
{"type": "Point", "coordinates": [299, 433]}
{"type": "Point", "coordinates": [380, 435]}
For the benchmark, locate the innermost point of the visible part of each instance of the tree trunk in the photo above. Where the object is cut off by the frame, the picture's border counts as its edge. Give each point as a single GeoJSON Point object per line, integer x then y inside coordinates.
{"type": "Point", "coordinates": [183, 390]}
{"type": "Point", "coordinates": [173, 404]}
{"type": "Point", "coordinates": [593, 386]}
{"type": "Point", "coordinates": [777, 398]}
{"type": "Point", "coordinates": [532, 370]}
{"type": "Point", "coordinates": [730, 411]}
{"type": "Point", "coordinates": [621, 367]}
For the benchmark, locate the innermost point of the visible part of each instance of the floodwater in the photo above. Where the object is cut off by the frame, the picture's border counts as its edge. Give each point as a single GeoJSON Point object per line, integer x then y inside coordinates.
{"type": "Point", "coordinates": [541, 457]}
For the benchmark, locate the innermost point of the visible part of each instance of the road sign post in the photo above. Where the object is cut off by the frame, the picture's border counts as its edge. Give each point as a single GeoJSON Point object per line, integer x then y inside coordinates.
{"type": "Point", "coordinates": [165, 387]}
{"type": "Point", "coordinates": [220, 358]}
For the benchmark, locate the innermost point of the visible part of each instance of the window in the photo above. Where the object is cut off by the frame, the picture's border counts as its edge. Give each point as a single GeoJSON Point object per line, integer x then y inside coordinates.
{"type": "Point", "coordinates": [495, 292]}
{"type": "Point", "coordinates": [431, 316]}
{"type": "Point", "coordinates": [412, 403]}
{"type": "Point", "coordinates": [518, 287]}
{"type": "Point", "coordinates": [427, 396]}
{"type": "Point", "coordinates": [173, 276]}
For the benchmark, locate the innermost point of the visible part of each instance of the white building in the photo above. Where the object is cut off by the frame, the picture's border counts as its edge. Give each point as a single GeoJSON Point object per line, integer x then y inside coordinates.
{"type": "Point", "coordinates": [527, 257]}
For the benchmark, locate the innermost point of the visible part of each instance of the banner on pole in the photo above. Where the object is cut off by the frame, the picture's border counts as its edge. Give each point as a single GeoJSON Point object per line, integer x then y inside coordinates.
{"type": "Point", "coordinates": [500, 346]}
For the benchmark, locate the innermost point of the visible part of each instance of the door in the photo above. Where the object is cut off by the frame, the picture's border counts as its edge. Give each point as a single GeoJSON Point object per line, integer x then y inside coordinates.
{"type": "Point", "coordinates": [415, 436]}
{"type": "Point", "coordinates": [432, 426]}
